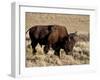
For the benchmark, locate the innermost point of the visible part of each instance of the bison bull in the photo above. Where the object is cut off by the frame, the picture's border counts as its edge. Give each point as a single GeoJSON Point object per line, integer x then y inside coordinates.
{"type": "Point", "coordinates": [52, 36]}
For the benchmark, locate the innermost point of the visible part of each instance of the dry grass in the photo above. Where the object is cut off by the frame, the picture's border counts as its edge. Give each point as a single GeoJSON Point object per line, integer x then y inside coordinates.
{"type": "Point", "coordinates": [79, 55]}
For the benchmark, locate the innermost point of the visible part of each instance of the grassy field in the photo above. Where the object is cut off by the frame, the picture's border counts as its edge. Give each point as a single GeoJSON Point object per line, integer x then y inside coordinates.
{"type": "Point", "coordinates": [80, 53]}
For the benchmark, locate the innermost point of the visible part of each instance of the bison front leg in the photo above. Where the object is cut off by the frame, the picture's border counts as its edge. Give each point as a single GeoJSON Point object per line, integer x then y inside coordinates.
{"type": "Point", "coordinates": [66, 50]}
{"type": "Point", "coordinates": [57, 53]}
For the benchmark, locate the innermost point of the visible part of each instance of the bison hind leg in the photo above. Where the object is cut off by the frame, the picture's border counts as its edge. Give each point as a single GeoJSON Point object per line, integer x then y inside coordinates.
{"type": "Point", "coordinates": [33, 44]}
{"type": "Point", "coordinates": [46, 48]}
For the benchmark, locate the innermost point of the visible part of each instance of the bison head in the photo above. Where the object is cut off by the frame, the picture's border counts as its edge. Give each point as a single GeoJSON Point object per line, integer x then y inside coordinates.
{"type": "Point", "coordinates": [70, 42]}
{"type": "Point", "coordinates": [73, 37]}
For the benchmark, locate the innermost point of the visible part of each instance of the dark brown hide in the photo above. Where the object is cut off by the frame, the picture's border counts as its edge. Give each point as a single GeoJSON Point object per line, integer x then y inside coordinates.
{"type": "Point", "coordinates": [39, 34]}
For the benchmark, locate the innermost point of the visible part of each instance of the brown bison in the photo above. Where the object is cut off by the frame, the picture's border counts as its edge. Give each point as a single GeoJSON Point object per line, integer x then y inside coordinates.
{"type": "Point", "coordinates": [52, 36]}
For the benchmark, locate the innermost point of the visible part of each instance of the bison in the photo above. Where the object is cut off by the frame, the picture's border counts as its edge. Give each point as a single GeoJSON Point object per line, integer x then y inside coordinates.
{"type": "Point", "coordinates": [52, 36]}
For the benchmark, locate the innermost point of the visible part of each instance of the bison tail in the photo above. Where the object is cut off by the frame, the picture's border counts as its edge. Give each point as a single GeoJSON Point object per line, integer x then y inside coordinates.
{"type": "Point", "coordinates": [27, 30]}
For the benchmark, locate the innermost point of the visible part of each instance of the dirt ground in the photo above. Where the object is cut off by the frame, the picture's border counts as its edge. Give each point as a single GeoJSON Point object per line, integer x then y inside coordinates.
{"type": "Point", "coordinates": [72, 22]}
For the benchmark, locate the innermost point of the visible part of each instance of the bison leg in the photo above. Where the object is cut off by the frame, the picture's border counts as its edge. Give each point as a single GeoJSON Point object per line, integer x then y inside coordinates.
{"type": "Point", "coordinates": [57, 52]}
{"type": "Point", "coordinates": [66, 50]}
{"type": "Point", "coordinates": [46, 48]}
{"type": "Point", "coordinates": [33, 44]}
